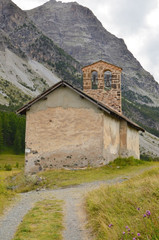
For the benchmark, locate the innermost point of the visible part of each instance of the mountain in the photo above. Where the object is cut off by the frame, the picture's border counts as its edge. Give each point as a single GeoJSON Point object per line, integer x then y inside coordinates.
{"type": "Point", "coordinates": [149, 145]}
{"type": "Point", "coordinates": [30, 62]}
{"type": "Point", "coordinates": [76, 29]}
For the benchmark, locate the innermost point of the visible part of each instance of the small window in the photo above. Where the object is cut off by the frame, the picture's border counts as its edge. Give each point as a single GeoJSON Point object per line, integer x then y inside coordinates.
{"type": "Point", "coordinates": [107, 79]}
{"type": "Point", "coordinates": [94, 80]}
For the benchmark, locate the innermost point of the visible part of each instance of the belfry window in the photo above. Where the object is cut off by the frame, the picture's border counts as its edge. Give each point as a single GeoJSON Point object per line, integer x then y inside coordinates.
{"type": "Point", "coordinates": [94, 80]}
{"type": "Point", "coordinates": [107, 79]}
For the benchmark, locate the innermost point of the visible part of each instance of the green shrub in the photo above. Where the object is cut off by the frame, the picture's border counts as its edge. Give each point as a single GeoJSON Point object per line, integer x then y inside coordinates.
{"type": "Point", "coordinates": [130, 161]}
{"type": "Point", "coordinates": [148, 158]}
{"type": "Point", "coordinates": [17, 165]}
{"type": "Point", "coordinates": [7, 167]}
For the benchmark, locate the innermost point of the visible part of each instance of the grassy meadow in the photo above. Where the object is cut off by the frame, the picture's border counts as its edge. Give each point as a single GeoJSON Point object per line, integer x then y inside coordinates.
{"type": "Point", "coordinates": [126, 211]}
{"type": "Point", "coordinates": [10, 165]}
{"type": "Point", "coordinates": [54, 179]}
{"type": "Point", "coordinates": [11, 161]}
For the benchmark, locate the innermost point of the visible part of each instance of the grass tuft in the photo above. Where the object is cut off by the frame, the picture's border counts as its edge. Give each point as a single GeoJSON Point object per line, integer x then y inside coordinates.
{"type": "Point", "coordinates": [11, 160]}
{"type": "Point", "coordinates": [43, 222]}
{"type": "Point", "coordinates": [130, 161]}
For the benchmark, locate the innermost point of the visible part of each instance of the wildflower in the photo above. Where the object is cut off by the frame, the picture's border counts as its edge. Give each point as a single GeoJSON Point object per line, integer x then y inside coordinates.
{"type": "Point", "coordinates": [148, 213]}
{"type": "Point", "coordinates": [134, 238]}
{"type": "Point", "coordinates": [110, 225]}
{"type": "Point", "coordinates": [123, 233]}
{"type": "Point", "coordinates": [144, 215]}
{"type": "Point", "coordinates": [126, 227]}
{"type": "Point", "coordinates": [138, 234]}
{"type": "Point", "coordinates": [138, 209]}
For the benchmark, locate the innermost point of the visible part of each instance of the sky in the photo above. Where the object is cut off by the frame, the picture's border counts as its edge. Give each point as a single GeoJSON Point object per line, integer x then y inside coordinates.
{"type": "Point", "coordinates": [136, 21]}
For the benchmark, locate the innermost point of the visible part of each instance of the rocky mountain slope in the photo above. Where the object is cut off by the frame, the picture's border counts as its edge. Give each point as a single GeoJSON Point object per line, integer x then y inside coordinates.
{"type": "Point", "coordinates": [149, 145]}
{"type": "Point", "coordinates": [29, 61]}
{"type": "Point", "coordinates": [76, 29]}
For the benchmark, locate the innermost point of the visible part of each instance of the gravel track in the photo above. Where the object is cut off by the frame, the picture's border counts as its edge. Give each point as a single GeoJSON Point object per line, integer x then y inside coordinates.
{"type": "Point", "coordinates": [74, 219]}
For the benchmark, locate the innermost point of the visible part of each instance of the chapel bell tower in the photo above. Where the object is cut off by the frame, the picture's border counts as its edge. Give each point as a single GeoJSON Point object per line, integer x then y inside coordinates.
{"type": "Point", "coordinates": [102, 81]}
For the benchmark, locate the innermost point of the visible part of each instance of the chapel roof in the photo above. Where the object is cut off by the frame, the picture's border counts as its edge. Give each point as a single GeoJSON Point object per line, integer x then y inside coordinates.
{"type": "Point", "coordinates": [100, 105]}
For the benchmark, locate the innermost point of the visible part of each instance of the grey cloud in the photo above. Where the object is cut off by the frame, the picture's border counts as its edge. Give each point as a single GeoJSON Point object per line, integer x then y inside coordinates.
{"type": "Point", "coordinates": [130, 16]}
{"type": "Point", "coordinates": [151, 48]}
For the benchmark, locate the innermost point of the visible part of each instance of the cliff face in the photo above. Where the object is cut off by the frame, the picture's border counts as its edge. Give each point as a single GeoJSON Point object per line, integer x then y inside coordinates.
{"type": "Point", "coordinates": [75, 29]}
{"type": "Point", "coordinates": [29, 61]}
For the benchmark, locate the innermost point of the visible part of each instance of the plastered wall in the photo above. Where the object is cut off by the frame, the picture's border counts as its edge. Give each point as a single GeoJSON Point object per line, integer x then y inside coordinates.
{"type": "Point", "coordinates": [111, 138]}
{"type": "Point", "coordinates": [67, 131]}
{"type": "Point", "coordinates": [67, 136]}
{"type": "Point", "coordinates": [133, 142]}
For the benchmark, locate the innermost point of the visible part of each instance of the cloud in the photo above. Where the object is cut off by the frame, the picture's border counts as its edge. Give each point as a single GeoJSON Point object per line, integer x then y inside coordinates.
{"type": "Point", "coordinates": [150, 52]}
{"type": "Point", "coordinates": [130, 16]}
{"type": "Point", "coordinates": [29, 4]}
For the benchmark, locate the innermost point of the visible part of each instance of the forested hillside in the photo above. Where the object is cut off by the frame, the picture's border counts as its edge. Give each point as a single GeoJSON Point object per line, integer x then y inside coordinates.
{"type": "Point", "coordinates": [12, 132]}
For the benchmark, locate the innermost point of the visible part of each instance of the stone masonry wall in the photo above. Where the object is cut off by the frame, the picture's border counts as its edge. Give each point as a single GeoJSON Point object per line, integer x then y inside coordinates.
{"type": "Point", "coordinates": [110, 97]}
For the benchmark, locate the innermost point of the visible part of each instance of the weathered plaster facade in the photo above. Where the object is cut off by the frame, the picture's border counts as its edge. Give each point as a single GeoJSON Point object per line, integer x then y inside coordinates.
{"type": "Point", "coordinates": [61, 130]}
{"type": "Point", "coordinates": [109, 96]}
{"type": "Point", "coordinates": [67, 131]}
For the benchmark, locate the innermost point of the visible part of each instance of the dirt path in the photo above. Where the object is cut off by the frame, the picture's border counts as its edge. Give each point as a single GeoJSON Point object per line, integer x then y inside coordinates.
{"type": "Point", "coordinates": [72, 196]}
{"type": "Point", "coordinates": [74, 221]}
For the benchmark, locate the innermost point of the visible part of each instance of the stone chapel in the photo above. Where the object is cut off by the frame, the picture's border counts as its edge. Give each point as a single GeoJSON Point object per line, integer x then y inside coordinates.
{"type": "Point", "coordinates": [70, 128]}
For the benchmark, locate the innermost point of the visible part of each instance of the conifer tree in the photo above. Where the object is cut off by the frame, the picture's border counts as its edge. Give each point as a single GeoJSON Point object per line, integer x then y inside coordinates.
{"type": "Point", "coordinates": [1, 135]}
{"type": "Point", "coordinates": [12, 132]}
{"type": "Point", "coordinates": [17, 142]}
{"type": "Point", "coordinates": [6, 129]}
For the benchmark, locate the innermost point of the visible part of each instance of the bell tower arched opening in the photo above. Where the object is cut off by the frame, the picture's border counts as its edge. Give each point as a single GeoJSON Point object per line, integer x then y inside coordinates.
{"type": "Point", "coordinates": [94, 80]}
{"type": "Point", "coordinates": [107, 79]}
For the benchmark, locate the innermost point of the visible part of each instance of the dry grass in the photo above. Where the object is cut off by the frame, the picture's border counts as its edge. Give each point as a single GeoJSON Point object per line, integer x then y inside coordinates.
{"type": "Point", "coordinates": [15, 161]}
{"type": "Point", "coordinates": [43, 222]}
{"type": "Point", "coordinates": [6, 196]}
{"type": "Point", "coordinates": [62, 178]}
{"type": "Point", "coordinates": [124, 205]}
